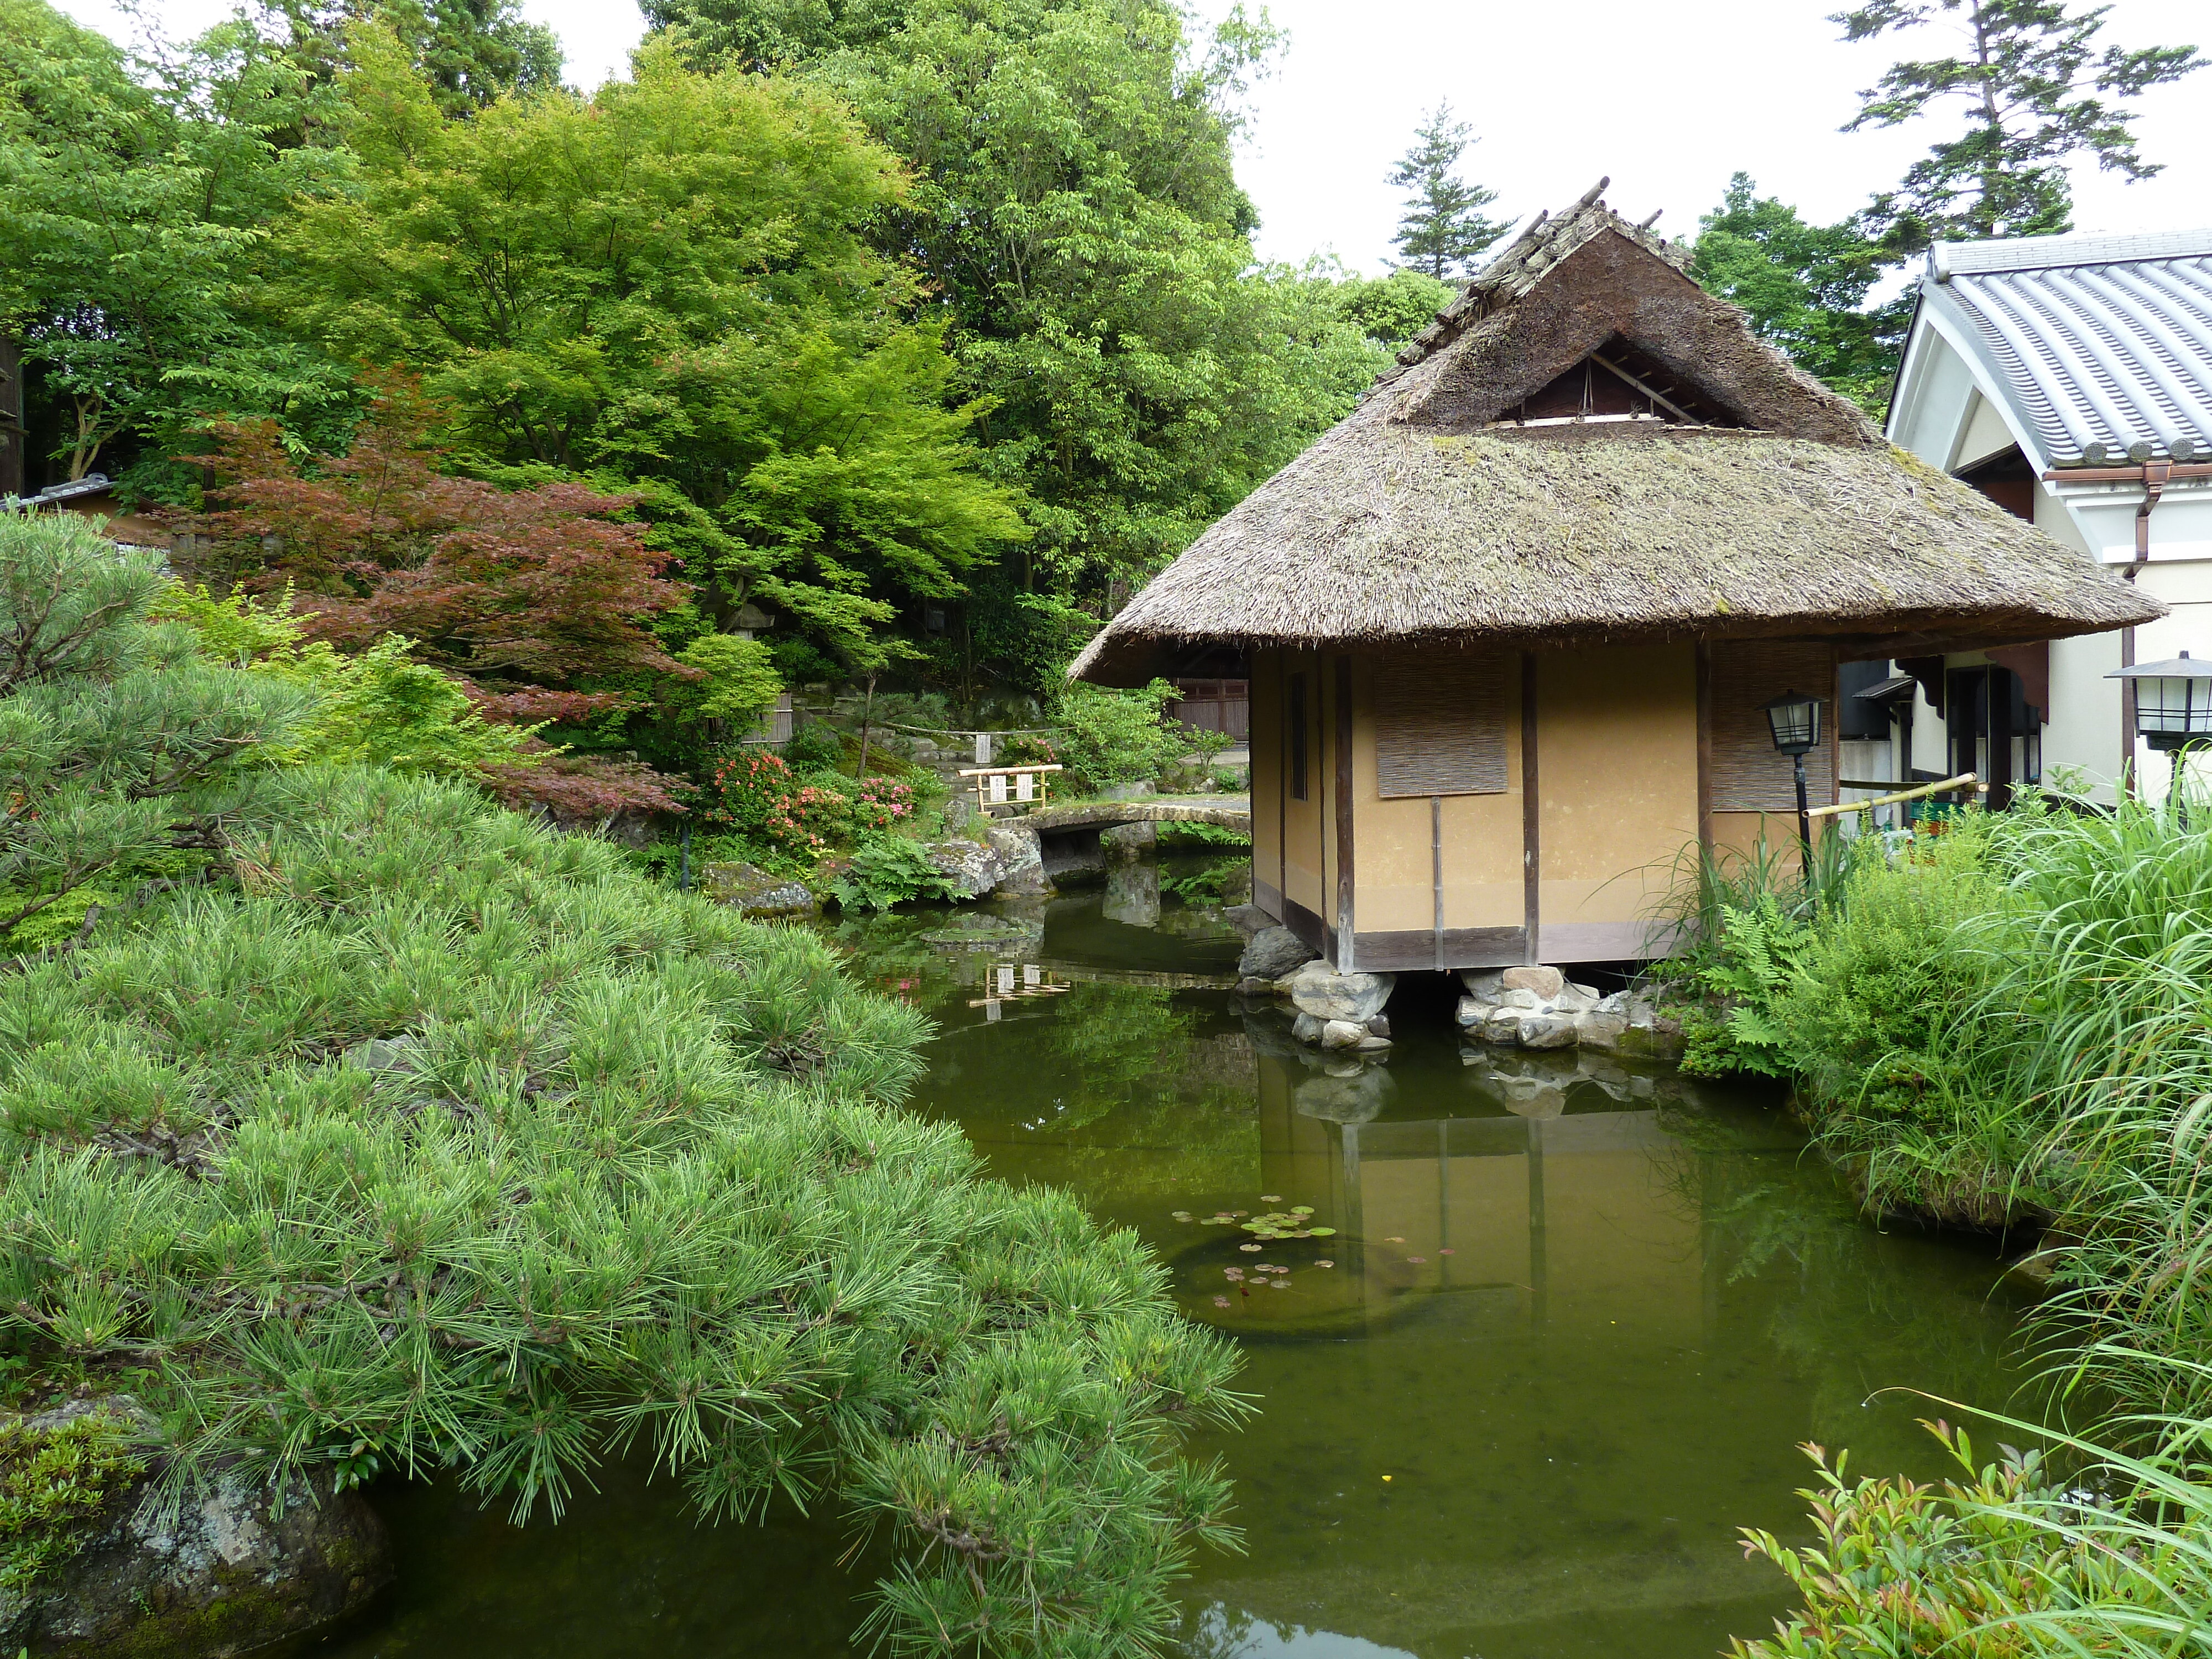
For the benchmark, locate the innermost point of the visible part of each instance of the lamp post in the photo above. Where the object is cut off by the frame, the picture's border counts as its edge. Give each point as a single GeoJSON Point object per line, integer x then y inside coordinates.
{"type": "Point", "coordinates": [1794, 720]}
{"type": "Point", "coordinates": [2174, 707]}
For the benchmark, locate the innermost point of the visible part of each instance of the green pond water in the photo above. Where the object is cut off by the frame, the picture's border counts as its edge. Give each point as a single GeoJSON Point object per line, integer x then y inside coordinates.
{"type": "Point", "coordinates": [1571, 1325]}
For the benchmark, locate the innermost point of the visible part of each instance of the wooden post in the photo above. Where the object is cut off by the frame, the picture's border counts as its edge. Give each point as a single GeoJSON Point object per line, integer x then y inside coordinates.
{"type": "Point", "coordinates": [1705, 746]}
{"type": "Point", "coordinates": [1532, 860]}
{"type": "Point", "coordinates": [1437, 869]}
{"type": "Point", "coordinates": [1346, 930]}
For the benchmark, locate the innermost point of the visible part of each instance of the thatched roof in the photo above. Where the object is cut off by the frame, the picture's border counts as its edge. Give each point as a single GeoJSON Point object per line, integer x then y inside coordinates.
{"type": "Point", "coordinates": [1755, 503]}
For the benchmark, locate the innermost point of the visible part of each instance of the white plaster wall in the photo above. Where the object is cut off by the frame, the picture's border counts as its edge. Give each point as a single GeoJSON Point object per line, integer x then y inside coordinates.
{"type": "Point", "coordinates": [2083, 733]}
{"type": "Point", "coordinates": [1986, 434]}
{"type": "Point", "coordinates": [1928, 739]}
{"type": "Point", "coordinates": [1936, 407]}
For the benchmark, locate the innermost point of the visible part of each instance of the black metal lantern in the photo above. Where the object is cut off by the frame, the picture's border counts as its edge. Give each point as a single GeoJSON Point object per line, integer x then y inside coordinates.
{"type": "Point", "coordinates": [2173, 702]}
{"type": "Point", "coordinates": [1794, 720]}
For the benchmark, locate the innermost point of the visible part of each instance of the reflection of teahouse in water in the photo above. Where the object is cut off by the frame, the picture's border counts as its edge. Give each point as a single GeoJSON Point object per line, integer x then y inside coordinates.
{"type": "Point", "coordinates": [1511, 622]}
{"type": "Point", "coordinates": [1560, 1195]}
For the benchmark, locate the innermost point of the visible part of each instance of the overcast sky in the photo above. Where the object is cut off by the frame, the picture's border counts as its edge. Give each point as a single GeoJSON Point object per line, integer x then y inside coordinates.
{"type": "Point", "coordinates": [1668, 99]}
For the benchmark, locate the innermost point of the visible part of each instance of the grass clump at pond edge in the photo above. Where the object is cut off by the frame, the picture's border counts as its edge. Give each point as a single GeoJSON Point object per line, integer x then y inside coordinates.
{"type": "Point", "coordinates": [416, 1135]}
{"type": "Point", "coordinates": [2010, 1023]}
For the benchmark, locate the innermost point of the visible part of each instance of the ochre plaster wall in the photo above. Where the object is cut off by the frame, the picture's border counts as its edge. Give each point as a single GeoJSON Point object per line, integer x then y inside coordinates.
{"type": "Point", "coordinates": [1739, 833]}
{"type": "Point", "coordinates": [1394, 870]}
{"type": "Point", "coordinates": [1617, 783]}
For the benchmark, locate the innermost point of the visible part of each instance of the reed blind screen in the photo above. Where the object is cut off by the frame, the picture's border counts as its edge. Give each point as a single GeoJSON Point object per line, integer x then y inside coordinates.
{"type": "Point", "coordinates": [1749, 774]}
{"type": "Point", "coordinates": [1440, 725]}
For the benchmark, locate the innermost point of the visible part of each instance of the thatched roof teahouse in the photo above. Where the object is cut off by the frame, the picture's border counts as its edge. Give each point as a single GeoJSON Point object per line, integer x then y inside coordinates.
{"type": "Point", "coordinates": [1509, 623]}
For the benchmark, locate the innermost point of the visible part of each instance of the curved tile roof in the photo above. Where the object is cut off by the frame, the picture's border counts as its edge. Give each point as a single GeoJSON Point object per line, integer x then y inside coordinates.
{"type": "Point", "coordinates": [2099, 340]}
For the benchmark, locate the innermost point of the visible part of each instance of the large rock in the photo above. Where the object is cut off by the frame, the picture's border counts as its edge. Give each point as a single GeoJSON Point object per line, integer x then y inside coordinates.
{"type": "Point", "coordinates": [1483, 984]}
{"type": "Point", "coordinates": [1307, 1029]}
{"type": "Point", "coordinates": [230, 1570]}
{"type": "Point", "coordinates": [1271, 953]}
{"type": "Point", "coordinates": [1358, 1096]}
{"type": "Point", "coordinates": [1597, 1029]}
{"type": "Point", "coordinates": [1250, 921]}
{"type": "Point", "coordinates": [1320, 990]}
{"type": "Point", "coordinates": [969, 868]}
{"type": "Point", "coordinates": [1546, 982]}
{"type": "Point", "coordinates": [1502, 1026]}
{"type": "Point", "coordinates": [753, 892]}
{"type": "Point", "coordinates": [1342, 1034]}
{"type": "Point", "coordinates": [1021, 860]}
{"type": "Point", "coordinates": [1547, 1031]}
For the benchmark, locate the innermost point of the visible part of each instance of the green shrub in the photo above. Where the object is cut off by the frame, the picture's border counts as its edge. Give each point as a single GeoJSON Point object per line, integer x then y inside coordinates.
{"type": "Point", "coordinates": [380, 707]}
{"type": "Point", "coordinates": [1870, 1015]}
{"type": "Point", "coordinates": [738, 682]}
{"type": "Point", "coordinates": [889, 871]}
{"type": "Point", "coordinates": [57, 1488]}
{"type": "Point", "coordinates": [1748, 970]}
{"type": "Point", "coordinates": [2007, 1562]}
{"type": "Point", "coordinates": [815, 746]}
{"type": "Point", "coordinates": [1108, 737]}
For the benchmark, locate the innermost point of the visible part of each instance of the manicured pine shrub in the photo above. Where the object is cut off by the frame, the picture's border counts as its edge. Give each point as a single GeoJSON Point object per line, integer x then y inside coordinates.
{"type": "Point", "coordinates": [423, 1134]}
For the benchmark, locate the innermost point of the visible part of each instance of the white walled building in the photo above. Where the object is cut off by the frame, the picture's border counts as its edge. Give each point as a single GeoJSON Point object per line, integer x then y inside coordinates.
{"type": "Point", "coordinates": [2069, 379]}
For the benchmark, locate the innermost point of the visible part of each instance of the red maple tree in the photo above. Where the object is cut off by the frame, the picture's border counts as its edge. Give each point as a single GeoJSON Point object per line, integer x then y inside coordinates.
{"type": "Point", "coordinates": [533, 598]}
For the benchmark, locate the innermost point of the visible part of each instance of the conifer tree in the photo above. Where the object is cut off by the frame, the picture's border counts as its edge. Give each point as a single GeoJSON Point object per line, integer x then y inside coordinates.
{"type": "Point", "coordinates": [2039, 91]}
{"type": "Point", "coordinates": [1443, 229]}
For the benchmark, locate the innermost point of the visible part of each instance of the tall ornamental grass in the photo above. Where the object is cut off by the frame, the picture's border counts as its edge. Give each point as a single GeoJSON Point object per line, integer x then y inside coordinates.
{"type": "Point", "coordinates": [2011, 1024]}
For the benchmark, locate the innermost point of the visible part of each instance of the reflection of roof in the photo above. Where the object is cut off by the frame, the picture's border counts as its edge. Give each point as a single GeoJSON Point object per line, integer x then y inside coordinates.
{"type": "Point", "coordinates": [2097, 340]}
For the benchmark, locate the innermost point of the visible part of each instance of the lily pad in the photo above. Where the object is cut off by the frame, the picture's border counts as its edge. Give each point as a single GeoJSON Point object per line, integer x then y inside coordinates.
{"type": "Point", "coordinates": [1302, 1209]}
{"type": "Point", "coordinates": [1321, 1233]}
{"type": "Point", "coordinates": [1248, 1247]}
{"type": "Point", "coordinates": [1324, 1264]}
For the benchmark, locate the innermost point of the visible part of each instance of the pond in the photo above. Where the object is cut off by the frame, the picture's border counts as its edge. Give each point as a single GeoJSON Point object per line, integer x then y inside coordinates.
{"type": "Point", "coordinates": [1552, 1335]}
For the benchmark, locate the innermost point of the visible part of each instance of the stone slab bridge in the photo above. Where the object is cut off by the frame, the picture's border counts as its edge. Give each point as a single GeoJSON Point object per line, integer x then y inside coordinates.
{"type": "Point", "coordinates": [1073, 839]}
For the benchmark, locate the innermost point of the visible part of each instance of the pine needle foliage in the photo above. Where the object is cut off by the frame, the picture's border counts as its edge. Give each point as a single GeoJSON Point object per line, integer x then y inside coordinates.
{"type": "Point", "coordinates": [430, 1138]}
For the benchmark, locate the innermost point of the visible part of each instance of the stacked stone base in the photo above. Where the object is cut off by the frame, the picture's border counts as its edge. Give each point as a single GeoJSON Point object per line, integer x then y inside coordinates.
{"type": "Point", "coordinates": [1541, 1008]}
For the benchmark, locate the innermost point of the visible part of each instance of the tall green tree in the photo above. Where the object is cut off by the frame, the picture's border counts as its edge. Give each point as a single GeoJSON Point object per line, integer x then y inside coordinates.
{"type": "Point", "coordinates": [1080, 227]}
{"type": "Point", "coordinates": [135, 194]}
{"type": "Point", "coordinates": [670, 283]}
{"type": "Point", "coordinates": [2038, 93]}
{"type": "Point", "coordinates": [1391, 310]}
{"type": "Point", "coordinates": [1443, 229]}
{"type": "Point", "coordinates": [474, 52]}
{"type": "Point", "coordinates": [1804, 288]}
